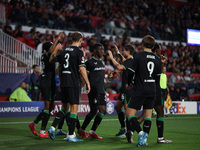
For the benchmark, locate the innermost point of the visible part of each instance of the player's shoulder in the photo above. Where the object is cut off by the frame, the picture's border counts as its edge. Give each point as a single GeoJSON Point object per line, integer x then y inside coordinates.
{"type": "Point", "coordinates": [89, 60]}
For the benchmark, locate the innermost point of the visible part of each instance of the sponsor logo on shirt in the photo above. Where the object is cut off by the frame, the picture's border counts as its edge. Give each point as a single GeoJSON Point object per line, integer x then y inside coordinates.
{"type": "Point", "coordinates": [99, 68]}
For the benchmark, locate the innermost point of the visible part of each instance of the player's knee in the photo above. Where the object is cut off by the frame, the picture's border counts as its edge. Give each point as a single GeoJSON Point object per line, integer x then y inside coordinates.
{"type": "Point", "coordinates": [102, 110]}
{"type": "Point", "coordinates": [160, 113]}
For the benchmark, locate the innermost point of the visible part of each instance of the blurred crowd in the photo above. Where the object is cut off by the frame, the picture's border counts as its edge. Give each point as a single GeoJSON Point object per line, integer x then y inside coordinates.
{"type": "Point", "coordinates": [120, 17]}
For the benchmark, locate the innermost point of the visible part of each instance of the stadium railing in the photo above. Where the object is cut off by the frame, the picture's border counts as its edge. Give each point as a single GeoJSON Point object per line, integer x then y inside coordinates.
{"type": "Point", "coordinates": [2, 14]}
{"type": "Point", "coordinates": [7, 65]}
{"type": "Point", "coordinates": [18, 50]}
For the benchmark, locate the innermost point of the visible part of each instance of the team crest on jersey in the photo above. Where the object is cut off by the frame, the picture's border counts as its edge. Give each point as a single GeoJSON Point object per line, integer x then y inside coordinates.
{"type": "Point", "coordinates": [110, 108]}
{"type": "Point", "coordinates": [95, 63]}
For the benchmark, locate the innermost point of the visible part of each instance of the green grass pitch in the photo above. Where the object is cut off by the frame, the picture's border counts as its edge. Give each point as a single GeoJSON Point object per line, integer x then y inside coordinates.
{"type": "Point", "coordinates": [184, 130]}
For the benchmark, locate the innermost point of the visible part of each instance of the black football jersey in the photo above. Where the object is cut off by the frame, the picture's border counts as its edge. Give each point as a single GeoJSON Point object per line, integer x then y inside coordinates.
{"type": "Point", "coordinates": [147, 68]}
{"type": "Point", "coordinates": [70, 60]}
{"type": "Point", "coordinates": [126, 64]}
{"type": "Point", "coordinates": [48, 75]}
{"type": "Point", "coordinates": [96, 68]}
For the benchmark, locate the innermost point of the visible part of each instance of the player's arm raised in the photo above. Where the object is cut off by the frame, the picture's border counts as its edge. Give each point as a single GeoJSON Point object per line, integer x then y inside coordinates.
{"type": "Point", "coordinates": [118, 53]}
{"type": "Point", "coordinates": [52, 58]}
{"type": "Point", "coordinates": [115, 63]}
{"type": "Point", "coordinates": [52, 49]}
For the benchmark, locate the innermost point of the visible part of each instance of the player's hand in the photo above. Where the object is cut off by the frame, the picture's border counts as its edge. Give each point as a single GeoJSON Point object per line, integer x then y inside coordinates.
{"type": "Point", "coordinates": [163, 59]}
{"type": "Point", "coordinates": [110, 75]}
{"type": "Point", "coordinates": [110, 54]}
{"type": "Point", "coordinates": [116, 48]}
{"type": "Point", "coordinates": [88, 89]}
{"type": "Point", "coordinates": [59, 46]}
{"type": "Point", "coordinates": [128, 87]}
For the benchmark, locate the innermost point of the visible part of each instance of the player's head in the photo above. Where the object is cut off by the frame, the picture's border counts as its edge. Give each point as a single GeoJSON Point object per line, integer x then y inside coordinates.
{"type": "Point", "coordinates": [77, 37]}
{"type": "Point", "coordinates": [128, 50]}
{"type": "Point", "coordinates": [46, 46]}
{"type": "Point", "coordinates": [98, 50]}
{"type": "Point", "coordinates": [35, 68]}
{"type": "Point", "coordinates": [156, 49]}
{"type": "Point", "coordinates": [148, 42]}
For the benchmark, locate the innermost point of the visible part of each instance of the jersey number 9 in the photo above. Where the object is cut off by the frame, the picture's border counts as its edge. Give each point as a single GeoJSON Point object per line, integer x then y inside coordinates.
{"type": "Point", "coordinates": [150, 67]}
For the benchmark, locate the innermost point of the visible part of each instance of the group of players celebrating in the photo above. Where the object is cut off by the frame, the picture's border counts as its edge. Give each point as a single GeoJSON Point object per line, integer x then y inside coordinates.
{"type": "Point", "coordinates": [140, 87]}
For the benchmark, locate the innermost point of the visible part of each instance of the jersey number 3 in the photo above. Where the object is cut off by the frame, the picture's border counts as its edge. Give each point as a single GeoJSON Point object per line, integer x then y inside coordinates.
{"type": "Point", "coordinates": [150, 67]}
{"type": "Point", "coordinates": [66, 65]}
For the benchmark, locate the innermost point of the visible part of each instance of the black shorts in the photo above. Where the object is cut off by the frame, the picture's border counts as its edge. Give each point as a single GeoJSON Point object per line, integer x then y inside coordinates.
{"type": "Point", "coordinates": [97, 99]}
{"type": "Point", "coordinates": [71, 95]}
{"type": "Point", "coordinates": [159, 99]}
{"type": "Point", "coordinates": [137, 102]}
{"type": "Point", "coordinates": [125, 98]}
{"type": "Point", "coordinates": [47, 93]}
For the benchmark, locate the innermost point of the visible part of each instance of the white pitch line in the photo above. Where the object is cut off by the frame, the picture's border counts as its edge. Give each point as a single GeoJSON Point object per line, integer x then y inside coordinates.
{"type": "Point", "coordinates": [168, 118]}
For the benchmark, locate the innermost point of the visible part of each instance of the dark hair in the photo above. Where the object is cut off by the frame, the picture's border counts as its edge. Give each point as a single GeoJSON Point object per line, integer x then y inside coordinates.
{"type": "Point", "coordinates": [97, 45]}
{"type": "Point", "coordinates": [21, 83]}
{"type": "Point", "coordinates": [156, 46]}
{"type": "Point", "coordinates": [46, 46]}
{"type": "Point", "coordinates": [148, 41]}
{"type": "Point", "coordinates": [130, 47]}
{"type": "Point", "coordinates": [77, 36]}
{"type": "Point", "coordinates": [33, 67]}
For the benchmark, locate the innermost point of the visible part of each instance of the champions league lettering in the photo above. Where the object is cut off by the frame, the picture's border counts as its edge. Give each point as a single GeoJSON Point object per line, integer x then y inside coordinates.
{"type": "Point", "coordinates": [19, 109]}
{"type": "Point", "coordinates": [10, 109]}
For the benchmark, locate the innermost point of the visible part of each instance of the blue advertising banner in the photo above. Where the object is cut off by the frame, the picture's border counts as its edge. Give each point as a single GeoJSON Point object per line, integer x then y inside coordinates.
{"type": "Point", "coordinates": [198, 108]}
{"type": "Point", "coordinates": [20, 109]}
{"type": "Point", "coordinates": [30, 109]}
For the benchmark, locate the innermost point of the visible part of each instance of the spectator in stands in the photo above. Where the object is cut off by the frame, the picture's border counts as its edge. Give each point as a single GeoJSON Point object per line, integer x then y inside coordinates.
{"type": "Point", "coordinates": [18, 31]}
{"type": "Point", "coordinates": [99, 35]}
{"type": "Point", "coordinates": [172, 78]}
{"type": "Point", "coordinates": [175, 93]}
{"type": "Point", "coordinates": [33, 30]}
{"type": "Point", "coordinates": [19, 94]}
{"type": "Point", "coordinates": [184, 94]}
{"type": "Point", "coordinates": [7, 28]}
{"type": "Point", "coordinates": [34, 83]}
{"type": "Point", "coordinates": [108, 66]}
